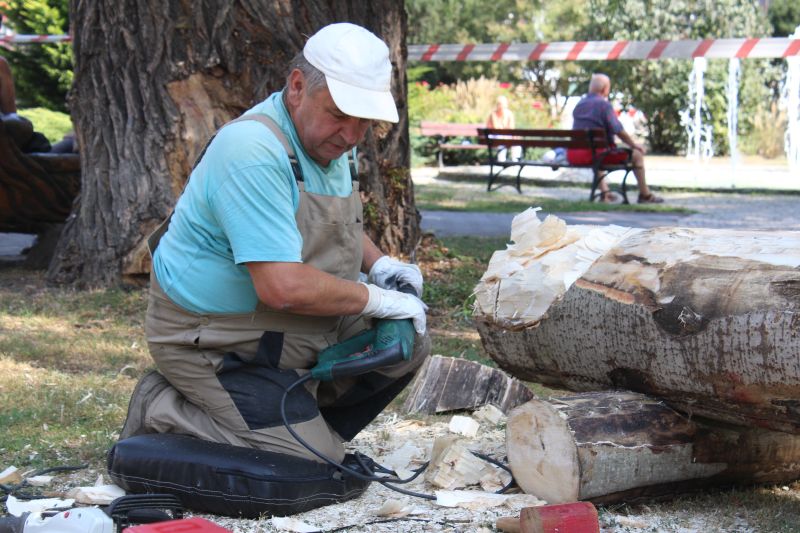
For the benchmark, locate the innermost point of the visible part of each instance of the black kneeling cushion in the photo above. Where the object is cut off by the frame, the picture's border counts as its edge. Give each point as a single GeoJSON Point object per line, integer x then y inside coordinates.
{"type": "Point", "coordinates": [228, 480]}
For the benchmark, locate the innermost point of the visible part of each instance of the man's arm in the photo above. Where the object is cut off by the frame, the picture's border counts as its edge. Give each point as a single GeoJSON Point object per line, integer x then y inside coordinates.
{"type": "Point", "coordinates": [304, 290]}
{"type": "Point", "coordinates": [627, 139]}
{"type": "Point", "coordinates": [370, 254]}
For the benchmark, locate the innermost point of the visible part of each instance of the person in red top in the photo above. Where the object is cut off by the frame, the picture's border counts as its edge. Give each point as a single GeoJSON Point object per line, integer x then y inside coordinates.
{"type": "Point", "coordinates": [595, 111]}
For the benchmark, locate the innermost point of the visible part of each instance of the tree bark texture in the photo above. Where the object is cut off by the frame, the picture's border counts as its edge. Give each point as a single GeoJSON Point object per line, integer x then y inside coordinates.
{"type": "Point", "coordinates": [617, 446]}
{"type": "Point", "coordinates": [708, 320]}
{"type": "Point", "coordinates": [447, 384]}
{"type": "Point", "coordinates": [36, 190]}
{"type": "Point", "coordinates": [155, 79]}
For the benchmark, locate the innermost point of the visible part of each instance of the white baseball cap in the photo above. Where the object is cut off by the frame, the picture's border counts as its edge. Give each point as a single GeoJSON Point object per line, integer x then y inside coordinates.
{"type": "Point", "coordinates": [357, 69]}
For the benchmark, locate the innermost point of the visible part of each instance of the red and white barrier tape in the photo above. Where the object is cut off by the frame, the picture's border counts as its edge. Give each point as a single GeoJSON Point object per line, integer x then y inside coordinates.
{"type": "Point", "coordinates": [608, 50]}
{"type": "Point", "coordinates": [564, 50]}
{"type": "Point", "coordinates": [16, 38]}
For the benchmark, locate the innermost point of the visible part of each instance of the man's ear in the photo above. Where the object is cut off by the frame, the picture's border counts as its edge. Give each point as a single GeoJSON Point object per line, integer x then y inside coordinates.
{"type": "Point", "coordinates": [296, 88]}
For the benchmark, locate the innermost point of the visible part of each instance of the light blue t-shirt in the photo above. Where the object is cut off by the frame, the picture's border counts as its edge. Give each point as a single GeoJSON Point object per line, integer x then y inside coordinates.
{"type": "Point", "coordinates": [239, 206]}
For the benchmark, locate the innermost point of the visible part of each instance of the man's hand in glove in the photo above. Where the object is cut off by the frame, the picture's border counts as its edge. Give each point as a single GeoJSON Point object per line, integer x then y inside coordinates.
{"type": "Point", "coordinates": [385, 303]}
{"type": "Point", "coordinates": [389, 273]}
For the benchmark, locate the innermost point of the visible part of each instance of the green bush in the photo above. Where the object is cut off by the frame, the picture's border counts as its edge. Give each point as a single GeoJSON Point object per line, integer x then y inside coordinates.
{"type": "Point", "coordinates": [466, 102]}
{"type": "Point", "coordinates": [766, 137]}
{"type": "Point", "coordinates": [52, 124]}
{"type": "Point", "coordinates": [659, 88]}
{"type": "Point", "coordinates": [42, 72]}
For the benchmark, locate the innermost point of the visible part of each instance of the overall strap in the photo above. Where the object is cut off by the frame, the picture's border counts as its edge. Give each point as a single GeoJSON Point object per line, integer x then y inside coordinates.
{"type": "Point", "coordinates": [155, 236]}
{"type": "Point", "coordinates": [274, 128]}
{"type": "Point", "coordinates": [353, 165]}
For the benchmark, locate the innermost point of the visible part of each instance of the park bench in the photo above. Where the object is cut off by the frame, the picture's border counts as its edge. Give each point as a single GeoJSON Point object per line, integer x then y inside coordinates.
{"type": "Point", "coordinates": [37, 192]}
{"type": "Point", "coordinates": [594, 139]}
{"type": "Point", "coordinates": [444, 133]}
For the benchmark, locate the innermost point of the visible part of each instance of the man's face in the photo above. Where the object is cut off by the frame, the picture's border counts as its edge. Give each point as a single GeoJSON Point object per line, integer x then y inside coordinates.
{"type": "Point", "coordinates": [325, 132]}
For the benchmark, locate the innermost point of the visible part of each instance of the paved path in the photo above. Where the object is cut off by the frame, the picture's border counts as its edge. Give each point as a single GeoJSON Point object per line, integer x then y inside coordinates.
{"type": "Point", "coordinates": [718, 210]}
{"type": "Point", "coordinates": [768, 210]}
{"type": "Point", "coordinates": [776, 211]}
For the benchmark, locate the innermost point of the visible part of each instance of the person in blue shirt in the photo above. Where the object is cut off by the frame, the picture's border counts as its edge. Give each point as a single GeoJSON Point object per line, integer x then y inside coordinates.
{"type": "Point", "coordinates": [259, 268]}
{"type": "Point", "coordinates": [595, 111]}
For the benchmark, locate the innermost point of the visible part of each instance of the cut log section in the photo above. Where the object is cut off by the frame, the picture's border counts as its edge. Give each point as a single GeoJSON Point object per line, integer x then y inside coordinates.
{"type": "Point", "coordinates": [616, 446]}
{"type": "Point", "coordinates": [708, 320]}
{"type": "Point", "coordinates": [449, 384]}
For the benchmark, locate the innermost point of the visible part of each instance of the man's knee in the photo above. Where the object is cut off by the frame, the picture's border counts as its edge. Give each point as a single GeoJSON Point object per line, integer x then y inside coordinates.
{"type": "Point", "coordinates": [638, 159]}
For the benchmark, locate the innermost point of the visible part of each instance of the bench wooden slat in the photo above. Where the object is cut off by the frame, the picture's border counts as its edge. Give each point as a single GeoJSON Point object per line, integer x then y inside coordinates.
{"type": "Point", "coordinates": [464, 146]}
{"type": "Point", "coordinates": [448, 129]}
{"type": "Point", "coordinates": [544, 138]}
{"type": "Point", "coordinates": [443, 131]}
{"type": "Point", "coordinates": [592, 139]}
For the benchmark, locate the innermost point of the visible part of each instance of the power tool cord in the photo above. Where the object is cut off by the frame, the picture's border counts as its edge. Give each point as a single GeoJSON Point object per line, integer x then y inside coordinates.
{"type": "Point", "coordinates": [12, 489]}
{"type": "Point", "coordinates": [355, 473]}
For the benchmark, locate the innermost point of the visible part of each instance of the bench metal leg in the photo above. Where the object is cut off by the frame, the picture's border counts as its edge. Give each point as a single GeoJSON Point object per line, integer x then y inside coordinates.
{"type": "Point", "coordinates": [492, 175]}
{"type": "Point", "coordinates": [596, 177]}
{"type": "Point", "coordinates": [519, 174]}
{"type": "Point", "coordinates": [623, 188]}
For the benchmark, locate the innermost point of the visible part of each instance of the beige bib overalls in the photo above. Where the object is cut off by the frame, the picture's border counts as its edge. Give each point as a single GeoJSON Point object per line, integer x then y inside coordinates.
{"type": "Point", "coordinates": [229, 371]}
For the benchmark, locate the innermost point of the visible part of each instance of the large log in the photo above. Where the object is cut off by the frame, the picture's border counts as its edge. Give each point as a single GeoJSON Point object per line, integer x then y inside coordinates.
{"type": "Point", "coordinates": [619, 446]}
{"type": "Point", "coordinates": [708, 320]}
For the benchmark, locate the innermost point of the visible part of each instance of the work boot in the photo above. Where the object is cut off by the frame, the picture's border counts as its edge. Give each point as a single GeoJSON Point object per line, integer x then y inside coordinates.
{"type": "Point", "coordinates": [149, 386]}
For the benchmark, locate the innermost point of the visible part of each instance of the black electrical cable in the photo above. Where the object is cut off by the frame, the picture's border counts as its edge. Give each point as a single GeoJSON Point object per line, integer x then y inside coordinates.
{"type": "Point", "coordinates": [398, 489]}
{"type": "Point", "coordinates": [12, 489]}
{"type": "Point", "coordinates": [385, 481]}
{"type": "Point", "coordinates": [498, 464]}
{"type": "Point", "coordinates": [390, 520]}
{"type": "Point", "coordinates": [328, 460]}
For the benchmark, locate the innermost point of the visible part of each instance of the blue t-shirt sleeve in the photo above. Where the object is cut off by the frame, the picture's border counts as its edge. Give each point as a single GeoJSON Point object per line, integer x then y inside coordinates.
{"type": "Point", "coordinates": [254, 207]}
{"type": "Point", "coordinates": [254, 199]}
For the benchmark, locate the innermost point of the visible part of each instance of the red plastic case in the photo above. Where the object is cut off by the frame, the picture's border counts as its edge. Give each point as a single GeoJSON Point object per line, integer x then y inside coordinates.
{"type": "Point", "coordinates": [186, 525]}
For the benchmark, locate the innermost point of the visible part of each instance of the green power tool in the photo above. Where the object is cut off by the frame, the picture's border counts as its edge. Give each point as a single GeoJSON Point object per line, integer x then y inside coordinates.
{"type": "Point", "coordinates": [388, 342]}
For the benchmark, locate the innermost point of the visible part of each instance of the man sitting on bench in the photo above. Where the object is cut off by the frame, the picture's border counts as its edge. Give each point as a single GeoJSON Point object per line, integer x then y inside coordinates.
{"type": "Point", "coordinates": [595, 111]}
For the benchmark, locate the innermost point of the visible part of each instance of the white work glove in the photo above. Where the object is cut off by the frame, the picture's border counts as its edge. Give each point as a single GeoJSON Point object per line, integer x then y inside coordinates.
{"type": "Point", "coordinates": [389, 273]}
{"type": "Point", "coordinates": [385, 303]}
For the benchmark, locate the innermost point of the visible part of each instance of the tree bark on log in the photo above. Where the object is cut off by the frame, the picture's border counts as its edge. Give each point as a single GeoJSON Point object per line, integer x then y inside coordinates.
{"type": "Point", "coordinates": [448, 384]}
{"type": "Point", "coordinates": [154, 80]}
{"type": "Point", "coordinates": [36, 190]}
{"type": "Point", "coordinates": [708, 320]}
{"type": "Point", "coordinates": [619, 446]}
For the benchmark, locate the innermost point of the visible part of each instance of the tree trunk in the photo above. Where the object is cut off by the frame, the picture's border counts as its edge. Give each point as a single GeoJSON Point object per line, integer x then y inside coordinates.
{"type": "Point", "coordinates": [708, 320]}
{"type": "Point", "coordinates": [154, 80]}
{"type": "Point", "coordinates": [618, 446]}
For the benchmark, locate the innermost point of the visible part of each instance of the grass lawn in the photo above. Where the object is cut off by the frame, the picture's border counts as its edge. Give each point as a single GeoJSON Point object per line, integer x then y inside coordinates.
{"type": "Point", "coordinates": [460, 198]}
{"type": "Point", "coordinates": [52, 124]}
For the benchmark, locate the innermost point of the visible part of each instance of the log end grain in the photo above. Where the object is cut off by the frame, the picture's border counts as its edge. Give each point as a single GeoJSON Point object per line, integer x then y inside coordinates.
{"type": "Point", "coordinates": [542, 453]}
